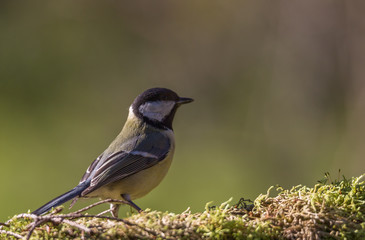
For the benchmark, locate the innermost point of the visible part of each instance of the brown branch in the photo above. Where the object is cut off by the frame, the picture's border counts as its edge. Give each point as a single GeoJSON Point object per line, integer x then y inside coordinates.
{"type": "Point", "coordinates": [101, 202]}
{"type": "Point", "coordinates": [11, 234]}
{"type": "Point", "coordinates": [66, 218]}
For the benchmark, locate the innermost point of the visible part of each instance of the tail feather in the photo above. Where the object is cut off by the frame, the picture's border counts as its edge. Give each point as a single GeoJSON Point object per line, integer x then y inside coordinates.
{"type": "Point", "coordinates": [60, 199]}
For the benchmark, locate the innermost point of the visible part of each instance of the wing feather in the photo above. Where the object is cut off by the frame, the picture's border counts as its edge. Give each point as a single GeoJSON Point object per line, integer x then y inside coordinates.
{"type": "Point", "coordinates": [124, 163]}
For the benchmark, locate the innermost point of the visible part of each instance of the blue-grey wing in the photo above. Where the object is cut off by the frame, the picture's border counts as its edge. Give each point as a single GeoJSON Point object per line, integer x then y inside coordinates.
{"type": "Point", "coordinates": [90, 169]}
{"type": "Point", "coordinates": [148, 152]}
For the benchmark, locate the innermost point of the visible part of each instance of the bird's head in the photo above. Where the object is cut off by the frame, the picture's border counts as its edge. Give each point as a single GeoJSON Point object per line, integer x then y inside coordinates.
{"type": "Point", "coordinates": [157, 106]}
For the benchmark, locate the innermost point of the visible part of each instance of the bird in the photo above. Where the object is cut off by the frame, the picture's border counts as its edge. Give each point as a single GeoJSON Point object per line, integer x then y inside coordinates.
{"type": "Point", "coordinates": [137, 159]}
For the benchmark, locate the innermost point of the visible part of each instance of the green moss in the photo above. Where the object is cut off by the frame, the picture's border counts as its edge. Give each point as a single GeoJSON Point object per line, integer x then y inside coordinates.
{"type": "Point", "coordinates": [329, 210]}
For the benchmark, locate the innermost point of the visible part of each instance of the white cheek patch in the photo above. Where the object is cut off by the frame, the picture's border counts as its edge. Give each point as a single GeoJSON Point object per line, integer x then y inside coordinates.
{"type": "Point", "coordinates": [157, 110]}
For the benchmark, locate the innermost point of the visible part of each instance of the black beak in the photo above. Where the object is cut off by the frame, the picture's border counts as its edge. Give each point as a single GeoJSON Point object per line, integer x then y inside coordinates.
{"type": "Point", "coordinates": [184, 100]}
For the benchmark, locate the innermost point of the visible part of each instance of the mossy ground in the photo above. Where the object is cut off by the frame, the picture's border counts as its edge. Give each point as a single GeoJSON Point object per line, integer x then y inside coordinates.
{"type": "Point", "coordinates": [329, 210]}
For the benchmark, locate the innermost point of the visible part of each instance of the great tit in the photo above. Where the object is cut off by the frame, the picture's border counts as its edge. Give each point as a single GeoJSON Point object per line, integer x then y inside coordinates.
{"type": "Point", "coordinates": [139, 157]}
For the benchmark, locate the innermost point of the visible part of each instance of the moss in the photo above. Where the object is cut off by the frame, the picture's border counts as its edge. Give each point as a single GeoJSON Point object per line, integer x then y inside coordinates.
{"type": "Point", "coordinates": [328, 210]}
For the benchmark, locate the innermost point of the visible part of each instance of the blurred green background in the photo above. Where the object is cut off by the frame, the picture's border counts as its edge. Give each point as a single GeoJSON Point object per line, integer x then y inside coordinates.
{"type": "Point", "coordinates": [278, 86]}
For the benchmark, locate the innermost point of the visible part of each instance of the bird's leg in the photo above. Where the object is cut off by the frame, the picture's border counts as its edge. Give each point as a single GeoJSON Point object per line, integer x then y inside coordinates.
{"type": "Point", "coordinates": [128, 199]}
{"type": "Point", "coordinates": [114, 209]}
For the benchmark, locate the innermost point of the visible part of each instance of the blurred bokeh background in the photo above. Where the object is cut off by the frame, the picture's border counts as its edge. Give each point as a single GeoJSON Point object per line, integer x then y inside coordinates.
{"type": "Point", "coordinates": [278, 86]}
